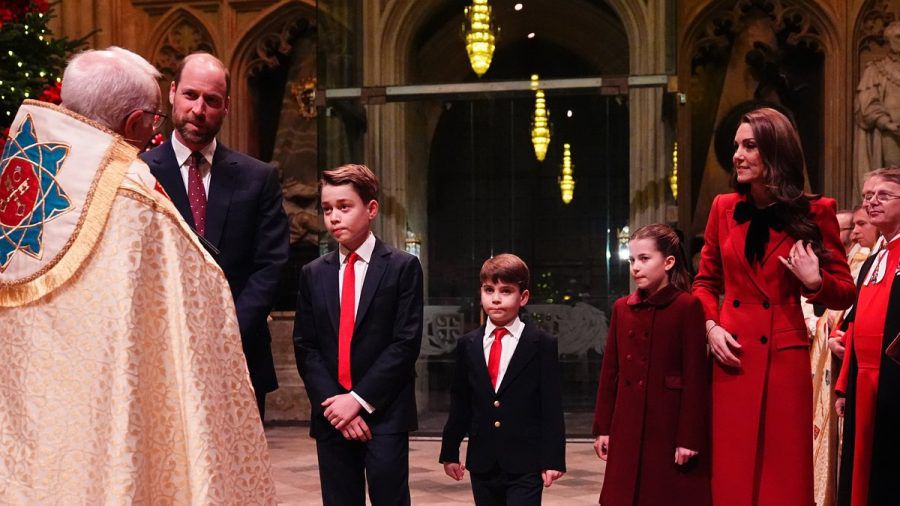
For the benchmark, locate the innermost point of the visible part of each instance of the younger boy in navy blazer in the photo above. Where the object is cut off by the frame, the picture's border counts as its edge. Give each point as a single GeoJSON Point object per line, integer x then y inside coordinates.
{"type": "Point", "coordinates": [357, 335]}
{"type": "Point", "coordinates": [506, 397]}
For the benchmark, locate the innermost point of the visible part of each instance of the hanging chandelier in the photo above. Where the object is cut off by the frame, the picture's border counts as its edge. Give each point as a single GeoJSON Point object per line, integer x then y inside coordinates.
{"type": "Point", "coordinates": [540, 121]}
{"type": "Point", "coordinates": [566, 181]}
{"type": "Point", "coordinates": [480, 35]}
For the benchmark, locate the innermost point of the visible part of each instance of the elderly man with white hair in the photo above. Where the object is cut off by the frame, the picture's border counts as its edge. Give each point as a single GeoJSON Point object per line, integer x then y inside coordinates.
{"type": "Point", "coordinates": [123, 378]}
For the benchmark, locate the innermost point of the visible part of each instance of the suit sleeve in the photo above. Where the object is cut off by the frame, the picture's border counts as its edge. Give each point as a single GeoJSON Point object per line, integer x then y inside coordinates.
{"type": "Point", "coordinates": [460, 417]}
{"type": "Point", "coordinates": [270, 254]}
{"type": "Point", "coordinates": [692, 418]}
{"type": "Point", "coordinates": [319, 382]}
{"type": "Point", "coordinates": [609, 380]}
{"type": "Point", "coordinates": [395, 365]}
{"type": "Point", "coordinates": [838, 290]}
{"type": "Point", "coordinates": [553, 425]}
{"type": "Point", "coordinates": [708, 284]}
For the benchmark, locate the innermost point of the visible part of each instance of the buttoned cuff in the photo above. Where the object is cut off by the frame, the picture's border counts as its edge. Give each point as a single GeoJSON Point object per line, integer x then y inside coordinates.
{"type": "Point", "coordinates": [368, 407]}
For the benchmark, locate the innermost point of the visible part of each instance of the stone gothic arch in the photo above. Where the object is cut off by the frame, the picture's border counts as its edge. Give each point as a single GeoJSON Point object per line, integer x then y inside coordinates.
{"type": "Point", "coordinates": [177, 34]}
{"type": "Point", "coordinates": [258, 48]}
{"type": "Point", "coordinates": [811, 23]}
{"type": "Point", "coordinates": [390, 44]}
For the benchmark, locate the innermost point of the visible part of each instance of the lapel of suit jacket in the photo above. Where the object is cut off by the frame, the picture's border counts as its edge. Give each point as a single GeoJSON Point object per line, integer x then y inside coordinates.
{"type": "Point", "coordinates": [330, 290]}
{"type": "Point", "coordinates": [527, 347]}
{"type": "Point", "coordinates": [377, 265]}
{"type": "Point", "coordinates": [221, 186]}
{"type": "Point", "coordinates": [479, 365]}
{"type": "Point", "coordinates": [165, 168]}
{"type": "Point", "coordinates": [738, 234]}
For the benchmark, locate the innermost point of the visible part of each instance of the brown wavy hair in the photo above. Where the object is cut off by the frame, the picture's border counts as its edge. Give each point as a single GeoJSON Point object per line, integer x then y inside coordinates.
{"type": "Point", "coordinates": [784, 172]}
{"type": "Point", "coordinates": [669, 244]}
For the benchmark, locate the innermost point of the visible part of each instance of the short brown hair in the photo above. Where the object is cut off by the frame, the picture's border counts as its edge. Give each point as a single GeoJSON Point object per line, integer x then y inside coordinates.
{"type": "Point", "coordinates": [506, 268]}
{"type": "Point", "coordinates": [363, 180]}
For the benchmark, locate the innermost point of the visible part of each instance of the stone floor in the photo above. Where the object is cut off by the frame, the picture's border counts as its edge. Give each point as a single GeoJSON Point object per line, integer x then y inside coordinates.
{"type": "Point", "coordinates": [297, 476]}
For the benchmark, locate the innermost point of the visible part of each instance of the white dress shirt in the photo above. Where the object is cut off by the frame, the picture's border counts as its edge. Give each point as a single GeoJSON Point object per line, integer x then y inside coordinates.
{"type": "Point", "coordinates": [364, 256]}
{"type": "Point", "coordinates": [508, 342]}
{"type": "Point", "coordinates": [183, 157]}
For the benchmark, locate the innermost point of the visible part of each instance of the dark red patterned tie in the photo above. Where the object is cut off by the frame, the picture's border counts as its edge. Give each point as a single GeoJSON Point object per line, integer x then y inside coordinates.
{"type": "Point", "coordinates": [494, 357]}
{"type": "Point", "coordinates": [348, 318]}
{"type": "Point", "coordinates": [196, 193]}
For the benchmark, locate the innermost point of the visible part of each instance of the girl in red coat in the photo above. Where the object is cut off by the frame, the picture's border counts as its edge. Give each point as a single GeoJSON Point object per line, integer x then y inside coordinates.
{"type": "Point", "coordinates": [652, 403]}
{"type": "Point", "coordinates": [765, 246]}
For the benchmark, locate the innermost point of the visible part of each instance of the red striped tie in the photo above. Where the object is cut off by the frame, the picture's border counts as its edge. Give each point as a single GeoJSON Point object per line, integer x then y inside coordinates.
{"type": "Point", "coordinates": [348, 318]}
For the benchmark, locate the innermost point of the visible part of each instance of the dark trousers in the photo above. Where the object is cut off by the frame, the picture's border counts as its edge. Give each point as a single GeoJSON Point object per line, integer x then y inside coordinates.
{"type": "Point", "coordinates": [345, 466]}
{"type": "Point", "coordinates": [261, 404]}
{"type": "Point", "coordinates": [499, 488]}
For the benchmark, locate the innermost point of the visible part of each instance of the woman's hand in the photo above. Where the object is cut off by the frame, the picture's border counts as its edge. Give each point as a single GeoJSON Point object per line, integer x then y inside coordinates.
{"type": "Point", "coordinates": [721, 343]}
{"type": "Point", "coordinates": [839, 406]}
{"type": "Point", "coordinates": [683, 455]}
{"type": "Point", "coordinates": [803, 263]}
{"type": "Point", "coordinates": [601, 446]}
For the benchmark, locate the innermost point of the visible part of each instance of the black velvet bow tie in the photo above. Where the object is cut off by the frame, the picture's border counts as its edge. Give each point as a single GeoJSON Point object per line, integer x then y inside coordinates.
{"type": "Point", "coordinates": [761, 220]}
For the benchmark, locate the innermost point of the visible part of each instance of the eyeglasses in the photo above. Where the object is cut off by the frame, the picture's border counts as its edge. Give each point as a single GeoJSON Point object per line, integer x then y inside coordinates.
{"type": "Point", "coordinates": [158, 117]}
{"type": "Point", "coordinates": [881, 197]}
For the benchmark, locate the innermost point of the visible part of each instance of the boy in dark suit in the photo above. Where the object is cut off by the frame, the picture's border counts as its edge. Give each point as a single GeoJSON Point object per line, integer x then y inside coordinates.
{"type": "Point", "coordinates": [506, 397]}
{"type": "Point", "coordinates": [357, 335]}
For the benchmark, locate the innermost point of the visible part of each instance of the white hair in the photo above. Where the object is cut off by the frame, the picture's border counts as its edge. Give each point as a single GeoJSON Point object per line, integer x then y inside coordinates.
{"type": "Point", "coordinates": [107, 85]}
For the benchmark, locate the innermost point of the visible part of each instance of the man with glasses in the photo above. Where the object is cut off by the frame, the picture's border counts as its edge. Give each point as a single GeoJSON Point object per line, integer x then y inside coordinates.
{"type": "Point", "coordinates": [869, 383]}
{"type": "Point", "coordinates": [232, 201]}
{"type": "Point", "coordinates": [122, 378]}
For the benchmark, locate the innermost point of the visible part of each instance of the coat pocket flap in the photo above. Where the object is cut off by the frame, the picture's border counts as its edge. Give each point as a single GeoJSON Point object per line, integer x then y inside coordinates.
{"type": "Point", "coordinates": [674, 382]}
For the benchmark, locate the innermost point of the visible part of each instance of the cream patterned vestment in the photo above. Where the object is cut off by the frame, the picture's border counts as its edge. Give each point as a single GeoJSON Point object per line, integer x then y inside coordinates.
{"type": "Point", "coordinates": [123, 378]}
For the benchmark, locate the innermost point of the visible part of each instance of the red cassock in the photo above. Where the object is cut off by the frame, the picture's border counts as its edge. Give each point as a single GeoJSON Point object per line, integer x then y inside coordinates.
{"type": "Point", "coordinates": [865, 343]}
{"type": "Point", "coordinates": [761, 411]}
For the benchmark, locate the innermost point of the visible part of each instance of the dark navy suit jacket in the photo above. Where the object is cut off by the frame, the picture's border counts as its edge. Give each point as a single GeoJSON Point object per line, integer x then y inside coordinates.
{"type": "Point", "coordinates": [245, 222]}
{"type": "Point", "coordinates": [520, 427]}
{"type": "Point", "coordinates": [386, 340]}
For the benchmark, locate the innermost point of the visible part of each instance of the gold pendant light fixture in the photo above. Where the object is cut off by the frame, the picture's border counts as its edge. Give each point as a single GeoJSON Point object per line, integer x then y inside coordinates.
{"type": "Point", "coordinates": [673, 179]}
{"type": "Point", "coordinates": [480, 35]}
{"type": "Point", "coordinates": [566, 181]}
{"type": "Point", "coordinates": [540, 121]}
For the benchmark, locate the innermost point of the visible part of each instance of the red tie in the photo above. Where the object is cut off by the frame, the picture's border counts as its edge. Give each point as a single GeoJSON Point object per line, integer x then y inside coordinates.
{"type": "Point", "coordinates": [196, 193]}
{"type": "Point", "coordinates": [494, 357]}
{"type": "Point", "coordinates": [348, 317]}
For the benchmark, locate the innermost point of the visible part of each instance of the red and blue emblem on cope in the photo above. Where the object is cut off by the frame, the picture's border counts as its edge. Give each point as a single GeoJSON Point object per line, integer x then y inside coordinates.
{"type": "Point", "coordinates": [30, 194]}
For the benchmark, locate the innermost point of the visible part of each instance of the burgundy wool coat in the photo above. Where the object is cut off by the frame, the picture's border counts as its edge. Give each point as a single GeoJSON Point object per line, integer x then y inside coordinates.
{"type": "Point", "coordinates": [654, 397]}
{"type": "Point", "coordinates": [762, 411]}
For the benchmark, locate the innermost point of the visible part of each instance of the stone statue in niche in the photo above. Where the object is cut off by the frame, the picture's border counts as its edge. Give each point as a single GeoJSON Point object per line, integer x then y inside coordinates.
{"type": "Point", "coordinates": [300, 206]}
{"type": "Point", "coordinates": [878, 109]}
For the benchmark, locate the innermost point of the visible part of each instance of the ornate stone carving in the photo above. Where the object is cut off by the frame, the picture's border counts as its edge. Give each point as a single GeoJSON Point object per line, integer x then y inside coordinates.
{"type": "Point", "coordinates": [185, 36]}
{"type": "Point", "coordinates": [279, 41]}
{"type": "Point", "coordinates": [790, 20]}
{"type": "Point", "coordinates": [577, 328]}
{"type": "Point", "coordinates": [304, 92]}
{"type": "Point", "coordinates": [443, 327]}
{"type": "Point", "coordinates": [872, 23]}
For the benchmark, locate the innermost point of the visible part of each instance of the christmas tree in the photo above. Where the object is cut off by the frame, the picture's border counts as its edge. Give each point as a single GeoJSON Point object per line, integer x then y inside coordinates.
{"type": "Point", "coordinates": [31, 59]}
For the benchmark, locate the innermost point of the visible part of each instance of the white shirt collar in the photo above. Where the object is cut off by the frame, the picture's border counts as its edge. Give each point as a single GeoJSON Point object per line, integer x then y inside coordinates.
{"type": "Point", "coordinates": [364, 251]}
{"type": "Point", "coordinates": [182, 152]}
{"type": "Point", "coordinates": [515, 328]}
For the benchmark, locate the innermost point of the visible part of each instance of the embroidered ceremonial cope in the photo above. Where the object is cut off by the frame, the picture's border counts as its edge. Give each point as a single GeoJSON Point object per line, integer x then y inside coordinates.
{"type": "Point", "coordinates": [123, 378]}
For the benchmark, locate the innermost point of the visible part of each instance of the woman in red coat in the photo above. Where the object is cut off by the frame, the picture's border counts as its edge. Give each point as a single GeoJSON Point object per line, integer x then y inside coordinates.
{"type": "Point", "coordinates": [765, 246]}
{"type": "Point", "coordinates": [653, 400]}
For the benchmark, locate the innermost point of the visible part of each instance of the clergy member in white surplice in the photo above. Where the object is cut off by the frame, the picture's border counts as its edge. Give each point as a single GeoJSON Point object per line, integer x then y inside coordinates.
{"type": "Point", "coordinates": [122, 378]}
